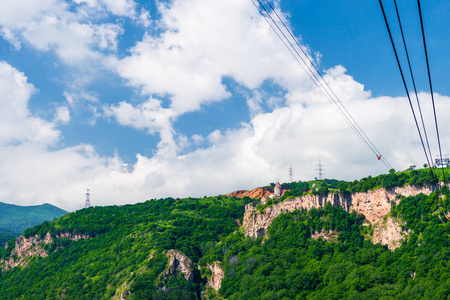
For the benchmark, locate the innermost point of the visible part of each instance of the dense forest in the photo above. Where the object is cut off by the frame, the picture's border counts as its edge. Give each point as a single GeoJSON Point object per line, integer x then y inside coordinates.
{"type": "Point", "coordinates": [323, 253]}
{"type": "Point", "coordinates": [122, 238]}
{"type": "Point", "coordinates": [292, 265]}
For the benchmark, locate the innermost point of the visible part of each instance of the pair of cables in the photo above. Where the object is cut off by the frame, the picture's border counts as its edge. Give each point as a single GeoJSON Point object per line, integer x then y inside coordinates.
{"type": "Point", "coordinates": [428, 154]}
{"type": "Point", "coordinates": [306, 62]}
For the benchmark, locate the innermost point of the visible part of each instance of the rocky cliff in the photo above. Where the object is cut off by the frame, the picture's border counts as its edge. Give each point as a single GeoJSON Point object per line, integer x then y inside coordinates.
{"type": "Point", "coordinates": [389, 233]}
{"type": "Point", "coordinates": [32, 246]}
{"type": "Point", "coordinates": [179, 263]}
{"type": "Point", "coordinates": [254, 194]}
{"type": "Point", "coordinates": [374, 205]}
{"type": "Point", "coordinates": [217, 275]}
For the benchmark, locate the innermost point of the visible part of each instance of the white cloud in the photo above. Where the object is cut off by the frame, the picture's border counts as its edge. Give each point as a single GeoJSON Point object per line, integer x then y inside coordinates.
{"type": "Point", "coordinates": [150, 116]}
{"type": "Point", "coordinates": [16, 122]}
{"type": "Point", "coordinates": [197, 138]}
{"type": "Point", "coordinates": [121, 7]}
{"type": "Point", "coordinates": [202, 42]}
{"type": "Point", "coordinates": [11, 38]}
{"type": "Point", "coordinates": [108, 36]}
{"type": "Point", "coordinates": [215, 136]}
{"type": "Point", "coordinates": [75, 34]}
{"type": "Point", "coordinates": [77, 96]}
{"type": "Point", "coordinates": [62, 115]}
{"type": "Point", "coordinates": [255, 154]}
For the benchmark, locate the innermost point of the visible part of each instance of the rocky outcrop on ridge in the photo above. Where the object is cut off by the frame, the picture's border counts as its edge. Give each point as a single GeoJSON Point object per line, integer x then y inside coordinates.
{"type": "Point", "coordinates": [217, 275]}
{"type": "Point", "coordinates": [32, 246]}
{"type": "Point", "coordinates": [255, 224]}
{"type": "Point", "coordinates": [374, 205]}
{"type": "Point", "coordinates": [254, 194]}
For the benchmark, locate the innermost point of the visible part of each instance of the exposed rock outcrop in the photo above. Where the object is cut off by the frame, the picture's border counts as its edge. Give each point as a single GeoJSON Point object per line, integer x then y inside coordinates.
{"type": "Point", "coordinates": [32, 246]}
{"type": "Point", "coordinates": [73, 237]}
{"type": "Point", "coordinates": [217, 275]}
{"type": "Point", "coordinates": [179, 263]}
{"type": "Point", "coordinates": [329, 236]}
{"type": "Point", "coordinates": [255, 224]}
{"type": "Point", "coordinates": [374, 205]}
{"type": "Point", "coordinates": [25, 247]}
{"type": "Point", "coordinates": [254, 194]}
{"type": "Point", "coordinates": [389, 233]}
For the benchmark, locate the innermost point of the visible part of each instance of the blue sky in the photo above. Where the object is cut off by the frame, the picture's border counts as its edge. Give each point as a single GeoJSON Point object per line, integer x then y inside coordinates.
{"type": "Point", "coordinates": [201, 97]}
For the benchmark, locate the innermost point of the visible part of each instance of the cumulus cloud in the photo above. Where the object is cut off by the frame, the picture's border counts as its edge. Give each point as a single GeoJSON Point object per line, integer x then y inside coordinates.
{"type": "Point", "coordinates": [62, 115]}
{"type": "Point", "coordinates": [31, 172]}
{"type": "Point", "coordinates": [197, 138]}
{"type": "Point", "coordinates": [72, 34]}
{"type": "Point", "coordinates": [255, 154]}
{"type": "Point", "coordinates": [16, 122]}
{"type": "Point", "coordinates": [180, 70]}
{"type": "Point", "coordinates": [201, 43]}
{"type": "Point", "coordinates": [150, 116]}
{"type": "Point", "coordinates": [189, 59]}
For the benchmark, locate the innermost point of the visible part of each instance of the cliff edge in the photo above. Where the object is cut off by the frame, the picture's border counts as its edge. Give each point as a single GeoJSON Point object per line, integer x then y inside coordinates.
{"type": "Point", "coordinates": [374, 205]}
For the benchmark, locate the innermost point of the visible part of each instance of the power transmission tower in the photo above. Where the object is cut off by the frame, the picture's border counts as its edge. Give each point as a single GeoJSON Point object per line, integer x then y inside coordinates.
{"type": "Point", "coordinates": [320, 171]}
{"type": "Point", "coordinates": [290, 173]}
{"type": "Point", "coordinates": [88, 200]}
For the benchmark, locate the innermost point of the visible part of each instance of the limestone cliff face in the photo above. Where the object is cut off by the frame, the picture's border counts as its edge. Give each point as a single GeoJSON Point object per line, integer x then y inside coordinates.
{"type": "Point", "coordinates": [217, 275]}
{"type": "Point", "coordinates": [25, 247]}
{"type": "Point", "coordinates": [374, 205]}
{"type": "Point", "coordinates": [255, 224]}
{"type": "Point", "coordinates": [32, 246]}
{"type": "Point", "coordinates": [389, 233]}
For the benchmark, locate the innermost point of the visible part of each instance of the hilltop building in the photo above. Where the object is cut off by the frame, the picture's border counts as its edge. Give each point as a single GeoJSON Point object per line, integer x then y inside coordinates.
{"type": "Point", "coordinates": [442, 163]}
{"type": "Point", "coordinates": [277, 190]}
{"type": "Point", "coordinates": [277, 193]}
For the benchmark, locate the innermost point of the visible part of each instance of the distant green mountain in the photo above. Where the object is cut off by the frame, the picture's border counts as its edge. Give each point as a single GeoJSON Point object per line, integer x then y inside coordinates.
{"type": "Point", "coordinates": [14, 219]}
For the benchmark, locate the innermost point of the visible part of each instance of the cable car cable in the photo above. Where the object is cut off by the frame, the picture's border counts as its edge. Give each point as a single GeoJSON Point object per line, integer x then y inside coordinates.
{"type": "Point", "coordinates": [321, 76]}
{"type": "Point", "coordinates": [431, 86]}
{"type": "Point", "coordinates": [404, 82]}
{"type": "Point", "coordinates": [412, 79]}
{"type": "Point", "coordinates": [327, 92]}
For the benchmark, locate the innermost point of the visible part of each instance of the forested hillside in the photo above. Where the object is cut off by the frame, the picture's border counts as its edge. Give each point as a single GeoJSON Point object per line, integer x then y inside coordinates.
{"type": "Point", "coordinates": [124, 244]}
{"type": "Point", "coordinates": [324, 253]}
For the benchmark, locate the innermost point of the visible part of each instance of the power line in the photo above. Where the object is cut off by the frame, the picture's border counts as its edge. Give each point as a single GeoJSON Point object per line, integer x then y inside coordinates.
{"type": "Point", "coordinates": [404, 82]}
{"type": "Point", "coordinates": [316, 76]}
{"type": "Point", "coordinates": [431, 86]}
{"type": "Point", "coordinates": [337, 101]}
{"type": "Point", "coordinates": [412, 78]}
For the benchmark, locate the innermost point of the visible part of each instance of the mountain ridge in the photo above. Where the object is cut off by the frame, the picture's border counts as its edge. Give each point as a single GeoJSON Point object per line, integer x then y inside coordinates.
{"type": "Point", "coordinates": [147, 250]}
{"type": "Point", "coordinates": [14, 219]}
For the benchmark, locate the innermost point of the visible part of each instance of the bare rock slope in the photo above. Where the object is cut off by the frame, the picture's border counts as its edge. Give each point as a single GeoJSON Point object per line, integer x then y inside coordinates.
{"type": "Point", "coordinates": [255, 193]}
{"type": "Point", "coordinates": [32, 246]}
{"type": "Point", "coordinates": [374, 205]}
{"type": "Point", "coordinates": [217, 275]}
